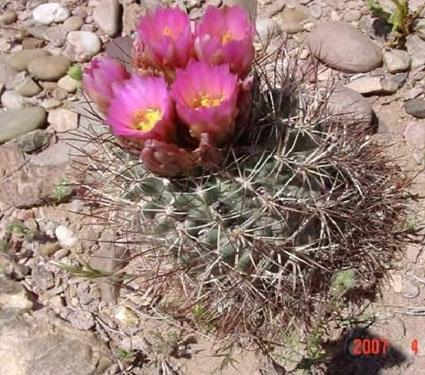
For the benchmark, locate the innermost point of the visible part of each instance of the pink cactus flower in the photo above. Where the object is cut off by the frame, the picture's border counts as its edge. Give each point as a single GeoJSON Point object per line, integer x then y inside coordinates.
{"type": "Point", "coordinates": [206, 98]}
{"type": "Point", "coordinates": [166, 159]}
{"type": "Point", "coordinates": [100, 78]}
{"type": "Point", "coordinates": [226, 35]}
{"type": "Point", "coordinates": [165, 40]}
{"type": "Point", "coordinates": [142, 109]}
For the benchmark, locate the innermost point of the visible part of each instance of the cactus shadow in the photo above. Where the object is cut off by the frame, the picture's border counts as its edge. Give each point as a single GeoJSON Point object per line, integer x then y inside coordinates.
{"type": "Point", "coordinates": [348, 355]}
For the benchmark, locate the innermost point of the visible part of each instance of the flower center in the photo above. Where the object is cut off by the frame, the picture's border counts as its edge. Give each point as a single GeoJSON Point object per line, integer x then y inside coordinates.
{"type": "Point", "coordinates": [226, 38]}
{"type": "Point", "coordinates": [207, 100]}
{"type": "Point", "coordinates": [146, 119]}
{"type": "Point", "coordinates": [167, 32]}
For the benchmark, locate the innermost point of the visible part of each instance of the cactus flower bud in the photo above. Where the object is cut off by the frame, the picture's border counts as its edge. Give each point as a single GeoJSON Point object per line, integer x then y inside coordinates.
{"type": "Point", "coordinates": [226, 35]}
{"type": "Point", "coordinates": [142, 109]}
{"type": "Point", "coordinates": [206, 98]}
{"type": "Point", "coordinates": [100, 78]}
{"type": "Point", "coordinates": [166, 159]}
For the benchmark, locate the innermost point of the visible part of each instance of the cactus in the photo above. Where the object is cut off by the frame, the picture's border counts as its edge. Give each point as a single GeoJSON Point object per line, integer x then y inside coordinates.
{"type": "Point", "coordinates": [298, 198]}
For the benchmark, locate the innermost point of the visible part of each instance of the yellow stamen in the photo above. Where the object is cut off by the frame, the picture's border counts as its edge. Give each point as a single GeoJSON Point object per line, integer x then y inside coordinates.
{"type": "Point", "coordinates": [167, 32]}
{"type": "Point", "coordinates": [226, 38]}
{"type": "Point", "coordinates": [207, 100]}
{"type": "Point", "coordinates": [146, 119]}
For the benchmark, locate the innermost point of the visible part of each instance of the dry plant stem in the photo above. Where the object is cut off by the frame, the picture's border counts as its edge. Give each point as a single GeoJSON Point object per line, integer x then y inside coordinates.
{"type": "Point", "coordinates": [300, 197]}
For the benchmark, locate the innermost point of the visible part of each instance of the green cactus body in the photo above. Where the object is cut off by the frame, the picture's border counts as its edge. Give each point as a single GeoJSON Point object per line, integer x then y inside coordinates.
{"type": "Point", "coordinates": [298, 198]}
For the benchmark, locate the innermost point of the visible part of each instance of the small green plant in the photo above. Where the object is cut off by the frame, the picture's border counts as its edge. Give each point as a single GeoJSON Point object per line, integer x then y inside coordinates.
{"type": "Point", "coordinates": [226, 354]}
{"type": "Point", "coordinates": [18, 228]}
{"type": "Point", "coordinates": [127, 356]}
{"type": "Point", "coordinates": [4, 246]}
{"type": "Point", "coordinates": [84, 270]}
{"type": "Point", "coordinates": [62, 189]}
{"type": "Point", "coordinates": [165, 343]}
{"type": "Point", "coordinates": [343, 281]}
{"type": "Point", "coordinates": [401, 20]}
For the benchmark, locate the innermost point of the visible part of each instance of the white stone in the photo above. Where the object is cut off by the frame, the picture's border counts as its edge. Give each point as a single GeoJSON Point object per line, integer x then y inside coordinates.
{"type": "Point", "coordinates": [12, 100]}
{"type": "Point", "coordinates": [397, 61]}
{"type": "Point", "coordinates": [48, 13]}
{"type": "Point", "coordinates": [126, 317]}
{"type": "Point", "coordinates": [63, 120]}
{"type": "Point", "coordinates": [83, 45]}
{"type": "Point", "coordinates": [65, 236]}
{"type": "Point", "coordinates": [69, 84]}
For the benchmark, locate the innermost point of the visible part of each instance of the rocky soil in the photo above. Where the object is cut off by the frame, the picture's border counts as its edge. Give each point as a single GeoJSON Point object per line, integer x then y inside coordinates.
{"type": "Point", "coordinates": [53, 319]}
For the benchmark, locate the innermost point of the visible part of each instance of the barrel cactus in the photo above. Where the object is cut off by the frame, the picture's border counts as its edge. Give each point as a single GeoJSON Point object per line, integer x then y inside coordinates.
{"type": "Point", "coordinates": [245, 230]}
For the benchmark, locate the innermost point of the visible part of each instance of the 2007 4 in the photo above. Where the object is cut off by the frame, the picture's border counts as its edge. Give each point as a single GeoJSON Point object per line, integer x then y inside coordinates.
{"type": "Point", "coordinates": [370, 346]}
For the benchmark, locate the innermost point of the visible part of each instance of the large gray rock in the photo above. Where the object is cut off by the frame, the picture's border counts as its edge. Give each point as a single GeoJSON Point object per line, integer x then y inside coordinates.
{"type": "Point", "coordinates": [106, 15]}
{"type": "Point", "coordinates": [49, 68]}
{"type": "Point", "coordinates": [249, 5]}
{"type": "Point", "coordinates": [19, 61]}
{"type": "Point", "coordinates": [24, 185]}
{"type": "Point", "coordinates": [120, 49]}
{"type": "Point", "coordinates": [20, 121]}
{"type": "Point", "coordinates": [41, 344]}
{"type": "Point", "coordinates": [348, 106]}
{"type": "Point", "coordinates": [33, 141]}
{"type": "Point", "coordinates": [344, 48]}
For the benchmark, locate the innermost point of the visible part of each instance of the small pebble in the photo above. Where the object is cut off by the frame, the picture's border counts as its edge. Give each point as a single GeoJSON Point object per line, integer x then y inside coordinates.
{"type": "Point", "coordinates": [410, 290]}
{"type": "Point", "coordinates": [62, 253]}
{"type": "Point", "coordinates": [415, 108]}
{"type": "Point", "coordinates": [28, 87]}
{"type": "Point", "coordinates": [49, 248]}
{"type": "Point", "coordinates": [126, 317]}
{"type": "Point", "coordinates": [397, 61]}
{"type": "Point", "coordinates": [352, 15]}
{"type": "Point", "coordinates": [7, 18]}
{"type": "Point", "coordinates": [81, 319]}
{"type": "Point", "coordinates": [60, 94]}
{"type": "Point", "coordinates": [73, 23]}
{"type": "Point", "coordinates": [51, 103]}
{"type": "Point", "coordinates": [67, 83]}
{"type": "Point", "coordinates": [65, 236]}
{"type": "Point", "coordinates": [315, 11]}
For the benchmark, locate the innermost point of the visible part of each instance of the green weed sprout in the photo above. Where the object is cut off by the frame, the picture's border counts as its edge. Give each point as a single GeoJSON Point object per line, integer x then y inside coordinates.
{"type": "Point", "coordinates": [401, 20]}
